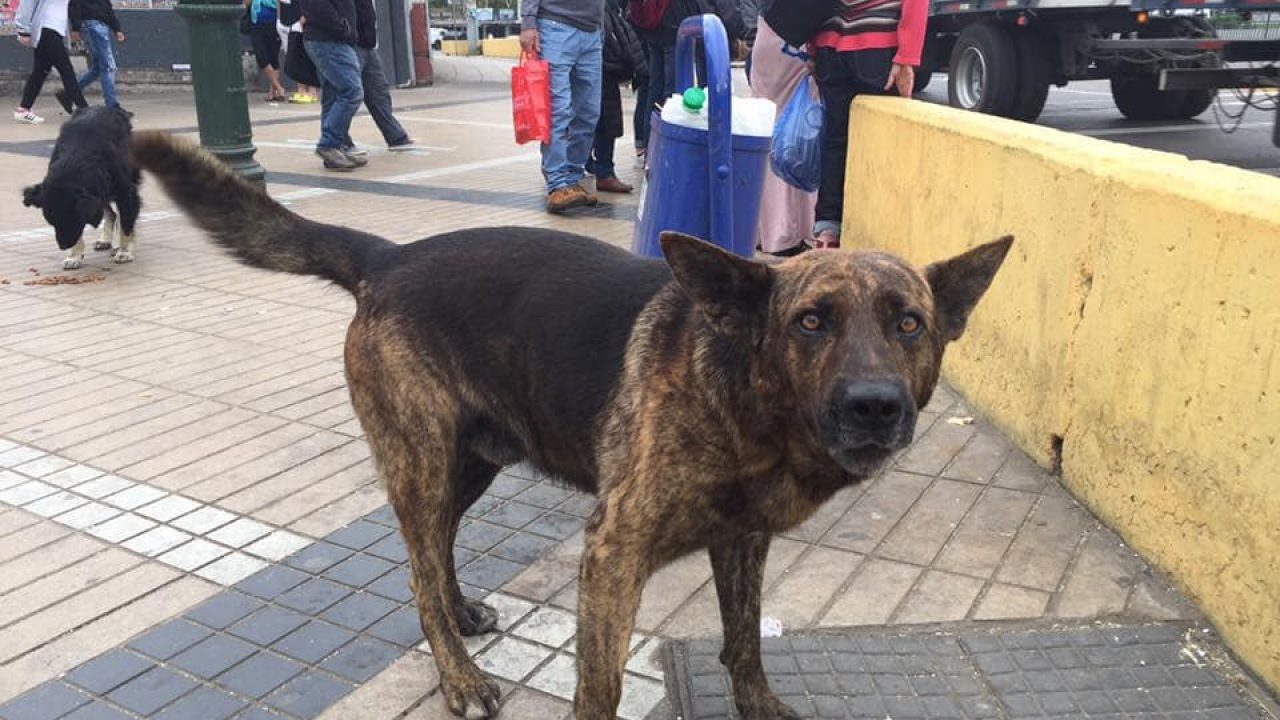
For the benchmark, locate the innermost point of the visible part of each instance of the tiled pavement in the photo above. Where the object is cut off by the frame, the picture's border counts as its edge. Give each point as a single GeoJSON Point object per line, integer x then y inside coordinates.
{"type": "Point", "coordinates": [177, 437]}
{"type": "Point", "coordinates": [1168, 670]}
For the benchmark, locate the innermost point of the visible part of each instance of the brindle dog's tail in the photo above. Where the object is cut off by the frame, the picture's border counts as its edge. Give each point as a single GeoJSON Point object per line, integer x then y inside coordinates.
{"type": "Point", "coordinates": [244, 219]}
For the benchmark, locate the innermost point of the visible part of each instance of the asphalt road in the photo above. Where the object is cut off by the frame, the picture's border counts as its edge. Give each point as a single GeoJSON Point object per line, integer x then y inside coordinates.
{"type": "Point", "coordinates": [1086, 108]}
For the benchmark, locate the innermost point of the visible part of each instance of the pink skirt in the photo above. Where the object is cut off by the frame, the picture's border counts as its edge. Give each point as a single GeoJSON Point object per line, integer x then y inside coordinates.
{"type": "Point", "coordinates": [786, 213]}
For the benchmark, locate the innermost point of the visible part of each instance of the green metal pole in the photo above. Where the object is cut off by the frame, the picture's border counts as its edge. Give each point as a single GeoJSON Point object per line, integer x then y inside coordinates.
{"type": "Point", "coordinates": [222, 107]}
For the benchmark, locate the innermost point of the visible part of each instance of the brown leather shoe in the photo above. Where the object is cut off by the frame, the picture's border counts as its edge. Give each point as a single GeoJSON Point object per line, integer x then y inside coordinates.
{"type": "Point", "coordinates": [613, 185]}
{"type": "Point", "coordinates": [565, 198]}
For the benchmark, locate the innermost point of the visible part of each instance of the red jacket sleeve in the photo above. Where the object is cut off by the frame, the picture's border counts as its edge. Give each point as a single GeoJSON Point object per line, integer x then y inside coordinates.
{"type": "Point", "coordinates": [915, 16]}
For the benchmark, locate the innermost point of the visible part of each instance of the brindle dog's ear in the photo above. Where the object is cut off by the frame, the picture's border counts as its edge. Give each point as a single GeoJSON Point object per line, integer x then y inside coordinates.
{"type": "Point", "coordinates": [959, 283]}
{"type": "Point", "coordinates": [732, 291]}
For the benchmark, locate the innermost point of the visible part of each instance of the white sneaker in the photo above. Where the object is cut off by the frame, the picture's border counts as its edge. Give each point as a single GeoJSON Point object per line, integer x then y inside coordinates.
{"type": "Point", "coordinates": [26, 117]}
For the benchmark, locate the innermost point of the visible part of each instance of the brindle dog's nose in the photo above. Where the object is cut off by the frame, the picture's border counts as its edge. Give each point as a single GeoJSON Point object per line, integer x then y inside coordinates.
{"type": "Point", "coordinates": [872, 406]}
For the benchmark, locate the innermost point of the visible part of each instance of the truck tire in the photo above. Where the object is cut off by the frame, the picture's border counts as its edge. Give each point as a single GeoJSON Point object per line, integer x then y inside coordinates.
{"type": "Point", "coordinates": [1138, 97]}
{"type": "Point", "coordinates": [1196, 102]}
{"type": "Point", "coordinates": [984, 70]}
{"type": "Point", "coordinates": [1035, 72]}
{"type": "Point", "coordinates": [923, 76]}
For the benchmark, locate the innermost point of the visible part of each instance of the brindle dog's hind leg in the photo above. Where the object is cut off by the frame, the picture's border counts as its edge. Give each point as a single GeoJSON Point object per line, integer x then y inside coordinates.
{"type": "Point", "coordinates": [471, 479]}
{"type": "Point", "coordinates": [738, 566]}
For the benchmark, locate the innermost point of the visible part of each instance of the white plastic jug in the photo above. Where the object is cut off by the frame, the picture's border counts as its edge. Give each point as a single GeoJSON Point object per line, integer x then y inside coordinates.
{"type": "Point", "coordinates": [752, 117]}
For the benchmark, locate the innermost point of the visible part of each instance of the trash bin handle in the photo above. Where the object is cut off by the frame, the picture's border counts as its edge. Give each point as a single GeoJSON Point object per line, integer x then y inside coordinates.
{"type": "Point", "coordinates": [715, 43]}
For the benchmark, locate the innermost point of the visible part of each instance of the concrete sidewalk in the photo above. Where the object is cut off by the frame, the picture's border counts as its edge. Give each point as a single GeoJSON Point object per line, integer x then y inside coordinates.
{"type": "Point", "coordinates": [190, 524]}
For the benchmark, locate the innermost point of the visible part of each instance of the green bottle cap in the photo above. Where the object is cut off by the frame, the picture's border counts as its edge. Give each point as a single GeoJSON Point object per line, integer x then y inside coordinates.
{"type": "Point", "coordinates": [694, 99]}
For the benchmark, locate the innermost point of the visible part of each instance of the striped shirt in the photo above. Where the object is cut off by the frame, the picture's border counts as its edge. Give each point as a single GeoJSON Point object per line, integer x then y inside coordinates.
{"type": "Point", "coordinates": [873, 24]}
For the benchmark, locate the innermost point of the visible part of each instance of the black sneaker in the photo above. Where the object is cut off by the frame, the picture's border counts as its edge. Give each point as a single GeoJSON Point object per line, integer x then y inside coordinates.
{"type": "Point", "coordinates": [64, 101]}
{"type": "Point", "coordinates": [405, 145]}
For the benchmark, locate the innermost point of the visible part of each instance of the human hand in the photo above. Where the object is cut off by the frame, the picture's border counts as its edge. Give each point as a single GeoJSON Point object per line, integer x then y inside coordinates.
{"type": "Point", "coordinates": [904, 77]}
{"type": "Point", "coordinates": [75, 36]}
{"type": "Point", "coordinates": [25, 40]}
{"type": "Point", "coordinates": [119, 37]}
{"type": "Point", "coordinates": [529, 41]}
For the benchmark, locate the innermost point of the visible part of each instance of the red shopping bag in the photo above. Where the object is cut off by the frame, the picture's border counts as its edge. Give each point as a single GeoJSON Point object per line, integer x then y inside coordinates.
{"type": "Point", "coordinates": [531, 100]}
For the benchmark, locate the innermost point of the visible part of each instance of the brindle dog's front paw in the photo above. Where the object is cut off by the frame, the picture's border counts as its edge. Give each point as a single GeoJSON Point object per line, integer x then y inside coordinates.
{"type": "Point", "coordinates": [470, 689]}
{"type": "Point", "coordinates": [102, 245]}
{"type": "Point", "coordinates": [767, 707]}
{"type": "Point", "coordinates": [476, 618]}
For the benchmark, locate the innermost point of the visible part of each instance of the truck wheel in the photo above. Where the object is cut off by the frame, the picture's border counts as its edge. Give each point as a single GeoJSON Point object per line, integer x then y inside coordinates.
{"type": "Point", "coordinates": [1035, 71]}
{"type": "Point", "coordinates": [983, 73]}
{"type": "Point", "coordinates": [923, 76]}
{"type": "Point", "coordinates": [1196, 102]}
{"type": "Point", "coordinates": [1139, 97]}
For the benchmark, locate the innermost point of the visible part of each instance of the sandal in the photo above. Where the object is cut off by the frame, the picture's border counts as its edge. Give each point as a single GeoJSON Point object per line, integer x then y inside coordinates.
{"type": "Point", "coordinates": [826, 240]}
{"type": "Point", "coordinates": [274, 97]}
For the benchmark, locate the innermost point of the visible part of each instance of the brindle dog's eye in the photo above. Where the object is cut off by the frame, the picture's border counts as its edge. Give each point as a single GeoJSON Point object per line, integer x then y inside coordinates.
{"type": "Point", "coordinates": [812, 322]}
{"type": "Point", "coordinates": [910, 325]}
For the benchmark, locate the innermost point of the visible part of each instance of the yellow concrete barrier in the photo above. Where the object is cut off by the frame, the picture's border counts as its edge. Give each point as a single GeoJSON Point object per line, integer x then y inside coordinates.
{"type": "Point", "coordinates": [454, 47]}
{"type": "Point", "coordinates": [507, 47]}
{"type": "Point", "coordinates": [1131, 339]}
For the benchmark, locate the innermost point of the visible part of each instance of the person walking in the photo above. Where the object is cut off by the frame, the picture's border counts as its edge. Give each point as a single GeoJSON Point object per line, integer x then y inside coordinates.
{"type": "Point", "coordinates": [289, 27]}
{"type": "Point", "coordinates": [567, 34]}
{"type": "Point", "coordinates": [373, 79]}
{"type": "Point", "coordinates": [623, 61]}
{"type": "Point", "coordinates": [266, 44]}
{"type": "Point", "coordinates": [42, 24]}
{"type": "Point", "coordinates": [329, 34]}
{"type": "Point", "coordinates": [867, 47]}
{"type": "Point", "coordinates": [95, 21]}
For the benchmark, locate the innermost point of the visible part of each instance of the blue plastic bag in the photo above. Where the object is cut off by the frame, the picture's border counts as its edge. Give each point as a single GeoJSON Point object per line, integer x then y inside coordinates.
{"type": "Point", "coordinates": [796, 156]}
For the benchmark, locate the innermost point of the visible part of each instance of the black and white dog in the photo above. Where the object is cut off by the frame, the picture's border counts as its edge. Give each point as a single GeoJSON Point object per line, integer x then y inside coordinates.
{"type": "Point", "coordinates": [90, 170]}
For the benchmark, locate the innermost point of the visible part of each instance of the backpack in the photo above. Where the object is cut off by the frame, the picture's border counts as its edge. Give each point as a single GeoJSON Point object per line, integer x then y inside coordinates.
{"type": "Point", "coordinates": [797, 21]}
{"type": "Point", "coordinates": [646, 14]}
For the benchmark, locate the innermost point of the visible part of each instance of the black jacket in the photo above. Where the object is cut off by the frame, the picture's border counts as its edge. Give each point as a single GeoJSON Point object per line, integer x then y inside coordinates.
{"type": "Point", "coordinates": [330, 21]}
{"type": "Point", "coordinates": [623, 54]}
{"type": "Point", "coordinates": [366, 24]}
{"type": "Point", "coordinates": [678, 10]}
{"type": "Point", "coordinates": [80, 10]}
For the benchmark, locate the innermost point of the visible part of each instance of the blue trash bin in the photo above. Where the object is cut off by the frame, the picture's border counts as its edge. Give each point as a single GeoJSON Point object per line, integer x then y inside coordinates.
{"type": "Point", "coordinates": [704, 183]}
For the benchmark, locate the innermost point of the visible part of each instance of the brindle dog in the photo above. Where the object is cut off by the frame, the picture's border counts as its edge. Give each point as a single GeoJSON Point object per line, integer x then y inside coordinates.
{"type": "Point", "coordinates": [710, 402]}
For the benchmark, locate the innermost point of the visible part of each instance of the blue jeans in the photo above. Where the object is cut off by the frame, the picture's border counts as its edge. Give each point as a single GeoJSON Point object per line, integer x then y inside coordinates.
{"type": "Point", "coordinates": [340, 89]}
{"type": "Point", "coordinates": [601, 162]}
{"type": "Point", "coordinates": [576, 78]}
{"type": "Point", "coordinates": [377, 97]}
{"type": "Point", "coordinates": [102, 61]}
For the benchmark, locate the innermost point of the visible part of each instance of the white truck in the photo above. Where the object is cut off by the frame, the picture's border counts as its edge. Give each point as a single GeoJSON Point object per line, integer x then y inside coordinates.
{"type": "Point", "coordinates": [1164, 59]}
